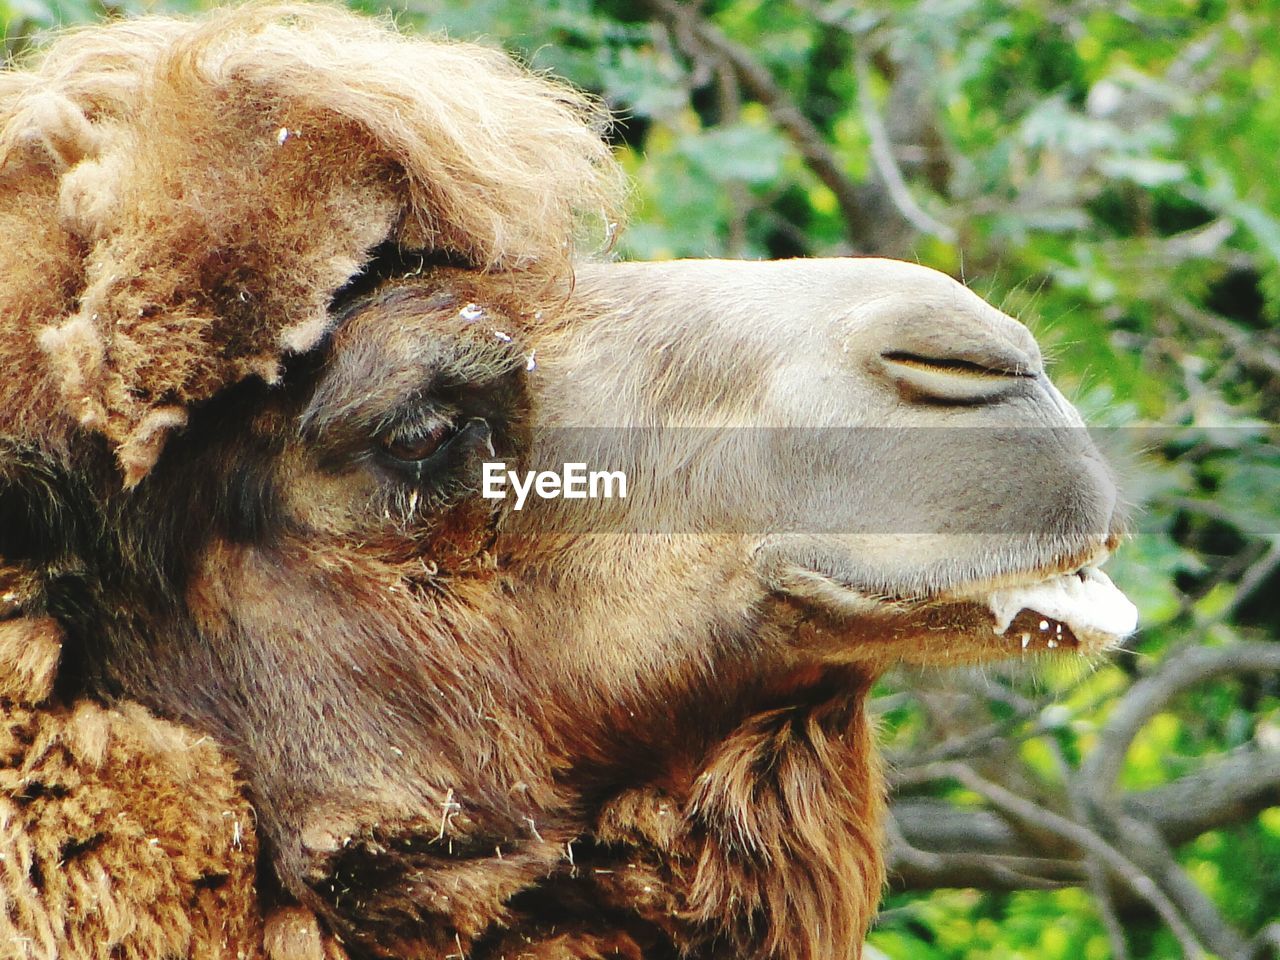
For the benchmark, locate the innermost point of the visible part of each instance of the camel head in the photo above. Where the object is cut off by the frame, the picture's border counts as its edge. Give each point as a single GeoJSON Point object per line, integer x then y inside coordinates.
{"type": "Point", "coordinates": [266, 484]}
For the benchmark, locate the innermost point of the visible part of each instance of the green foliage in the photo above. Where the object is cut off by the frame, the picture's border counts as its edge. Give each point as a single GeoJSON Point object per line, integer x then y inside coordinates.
{"type": "Point", "coordinates": [1109, 172]}
{"type": "Point", "coordinates": [1055, 926]}
{"type": "Point", "coordinates": [22, 22]}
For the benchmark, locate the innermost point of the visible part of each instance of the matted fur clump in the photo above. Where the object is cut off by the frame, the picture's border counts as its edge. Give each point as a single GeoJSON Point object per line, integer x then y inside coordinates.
{"type": "Point", "coordinates": [179, 201]}
{"type": "Point", "coordinates": [121, 835]}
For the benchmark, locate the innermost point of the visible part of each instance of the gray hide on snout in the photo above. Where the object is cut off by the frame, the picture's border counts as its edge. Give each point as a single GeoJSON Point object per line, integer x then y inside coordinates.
{"type": "Point", "coordinates": [872, 421]}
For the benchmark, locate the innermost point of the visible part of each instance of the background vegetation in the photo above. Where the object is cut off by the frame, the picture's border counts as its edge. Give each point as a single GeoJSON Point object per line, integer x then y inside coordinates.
{"type": "Point", "coordinates": [1107, 171]}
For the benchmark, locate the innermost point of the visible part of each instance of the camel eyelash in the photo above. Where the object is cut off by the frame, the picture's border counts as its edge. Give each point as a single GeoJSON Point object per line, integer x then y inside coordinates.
{"type": "Point", "coordinates": [415, 424]}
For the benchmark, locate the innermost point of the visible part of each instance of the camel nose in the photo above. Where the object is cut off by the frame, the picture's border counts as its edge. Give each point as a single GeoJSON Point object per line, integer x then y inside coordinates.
{"type": "Point", "coordinates": [975, 356]}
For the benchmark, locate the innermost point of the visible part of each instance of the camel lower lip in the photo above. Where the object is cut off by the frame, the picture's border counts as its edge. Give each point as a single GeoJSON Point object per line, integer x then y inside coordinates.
{"type": "Point", "coordinates": [1083, 606]}
{"type": "Point", "coordinates": [1031, 632]}
{"type": "Point", "coordinates": [1043, 610]}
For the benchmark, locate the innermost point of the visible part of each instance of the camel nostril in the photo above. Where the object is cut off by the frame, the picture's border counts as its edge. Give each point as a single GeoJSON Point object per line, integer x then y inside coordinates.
{"type": "Point", "coordinates": [958, 379]}
{"type": "Point", "coordinates": [961, 351]}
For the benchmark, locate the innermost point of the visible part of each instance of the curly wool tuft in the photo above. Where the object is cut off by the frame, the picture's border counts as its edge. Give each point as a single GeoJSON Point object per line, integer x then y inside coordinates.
{"type": "Point", "coordinates": [90, 794]}
{"type": "Point", "coordinates": [180, 200]}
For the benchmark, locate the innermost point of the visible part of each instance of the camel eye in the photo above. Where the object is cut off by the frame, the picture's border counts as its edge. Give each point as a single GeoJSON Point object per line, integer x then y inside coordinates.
{"type": "Point", "coordinates": [419, 445]}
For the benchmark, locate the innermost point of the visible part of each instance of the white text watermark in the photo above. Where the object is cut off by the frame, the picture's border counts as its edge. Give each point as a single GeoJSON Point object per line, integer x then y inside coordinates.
{"type": "Point", "coordinates": [573, 482]}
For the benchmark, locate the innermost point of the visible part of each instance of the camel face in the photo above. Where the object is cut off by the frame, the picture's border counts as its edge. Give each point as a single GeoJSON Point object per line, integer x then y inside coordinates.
{"type": "Point", "coordinates": [832, 466]}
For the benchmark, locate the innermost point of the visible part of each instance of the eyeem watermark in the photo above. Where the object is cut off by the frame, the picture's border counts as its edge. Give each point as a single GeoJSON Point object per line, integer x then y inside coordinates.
{"type": "Point", "coordinates": [574, 482]}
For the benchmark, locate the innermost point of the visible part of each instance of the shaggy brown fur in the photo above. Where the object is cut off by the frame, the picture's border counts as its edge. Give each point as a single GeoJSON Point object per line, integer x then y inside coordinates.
{"type": "Point", "coordinates": [122, 835]}
{"type": "Point", "coordinates": [167, 178]}
{"type": "Point", "coordinates": [274, 284]}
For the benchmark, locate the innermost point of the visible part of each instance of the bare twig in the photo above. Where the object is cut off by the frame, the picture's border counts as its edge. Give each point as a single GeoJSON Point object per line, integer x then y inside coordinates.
{"type": "Point", "coordinates": [988, 871]}
{"type": "Point", "coordinates": [1258, 573]}
{"type": "Point", "coordinates": [979, 741]}
{"type": "Point", "coordinates": [1148, 696]}
{"type": "Point", "coordinates": [1143, 845]}
{"type": "Point", "coordinates": [1229, 790]}
{"type": "Point", "coordinates": [1137, 838]}
{"type": "Point", "coordinates": [701, 37]}
{"type": "Point", "coordinates": [1247, 348]}
{"type": "Point", "coordinates": [1099, 881]}
{"type": "Point", "coordinates": [1039, 817]}
{"type": "Point", "coordinates": [887, 166]}
{"type": "Point", "coordinates": [730, 96]}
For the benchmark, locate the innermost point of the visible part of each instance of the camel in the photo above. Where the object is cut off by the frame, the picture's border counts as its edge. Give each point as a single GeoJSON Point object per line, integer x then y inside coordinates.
{"type": "Point", "coordinates": [281, 677]}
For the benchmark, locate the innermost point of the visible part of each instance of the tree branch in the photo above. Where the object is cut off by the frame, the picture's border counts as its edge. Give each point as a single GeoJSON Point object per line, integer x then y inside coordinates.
{"type": "Point", "coordinates": [887, 166]}
{"type": "Point", "coordinates": [697, 35]}
{"type": "Point", "coordinates": [1230, 790]}
{"type": "Point", "coordinates": [1039, 817]}
{"type": "Point", "coordinates": [1142, 844]}
{"type": "Point", "coordinates": [1147, 697]}
{"type": "Point", "coordinates": [912, 867]}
